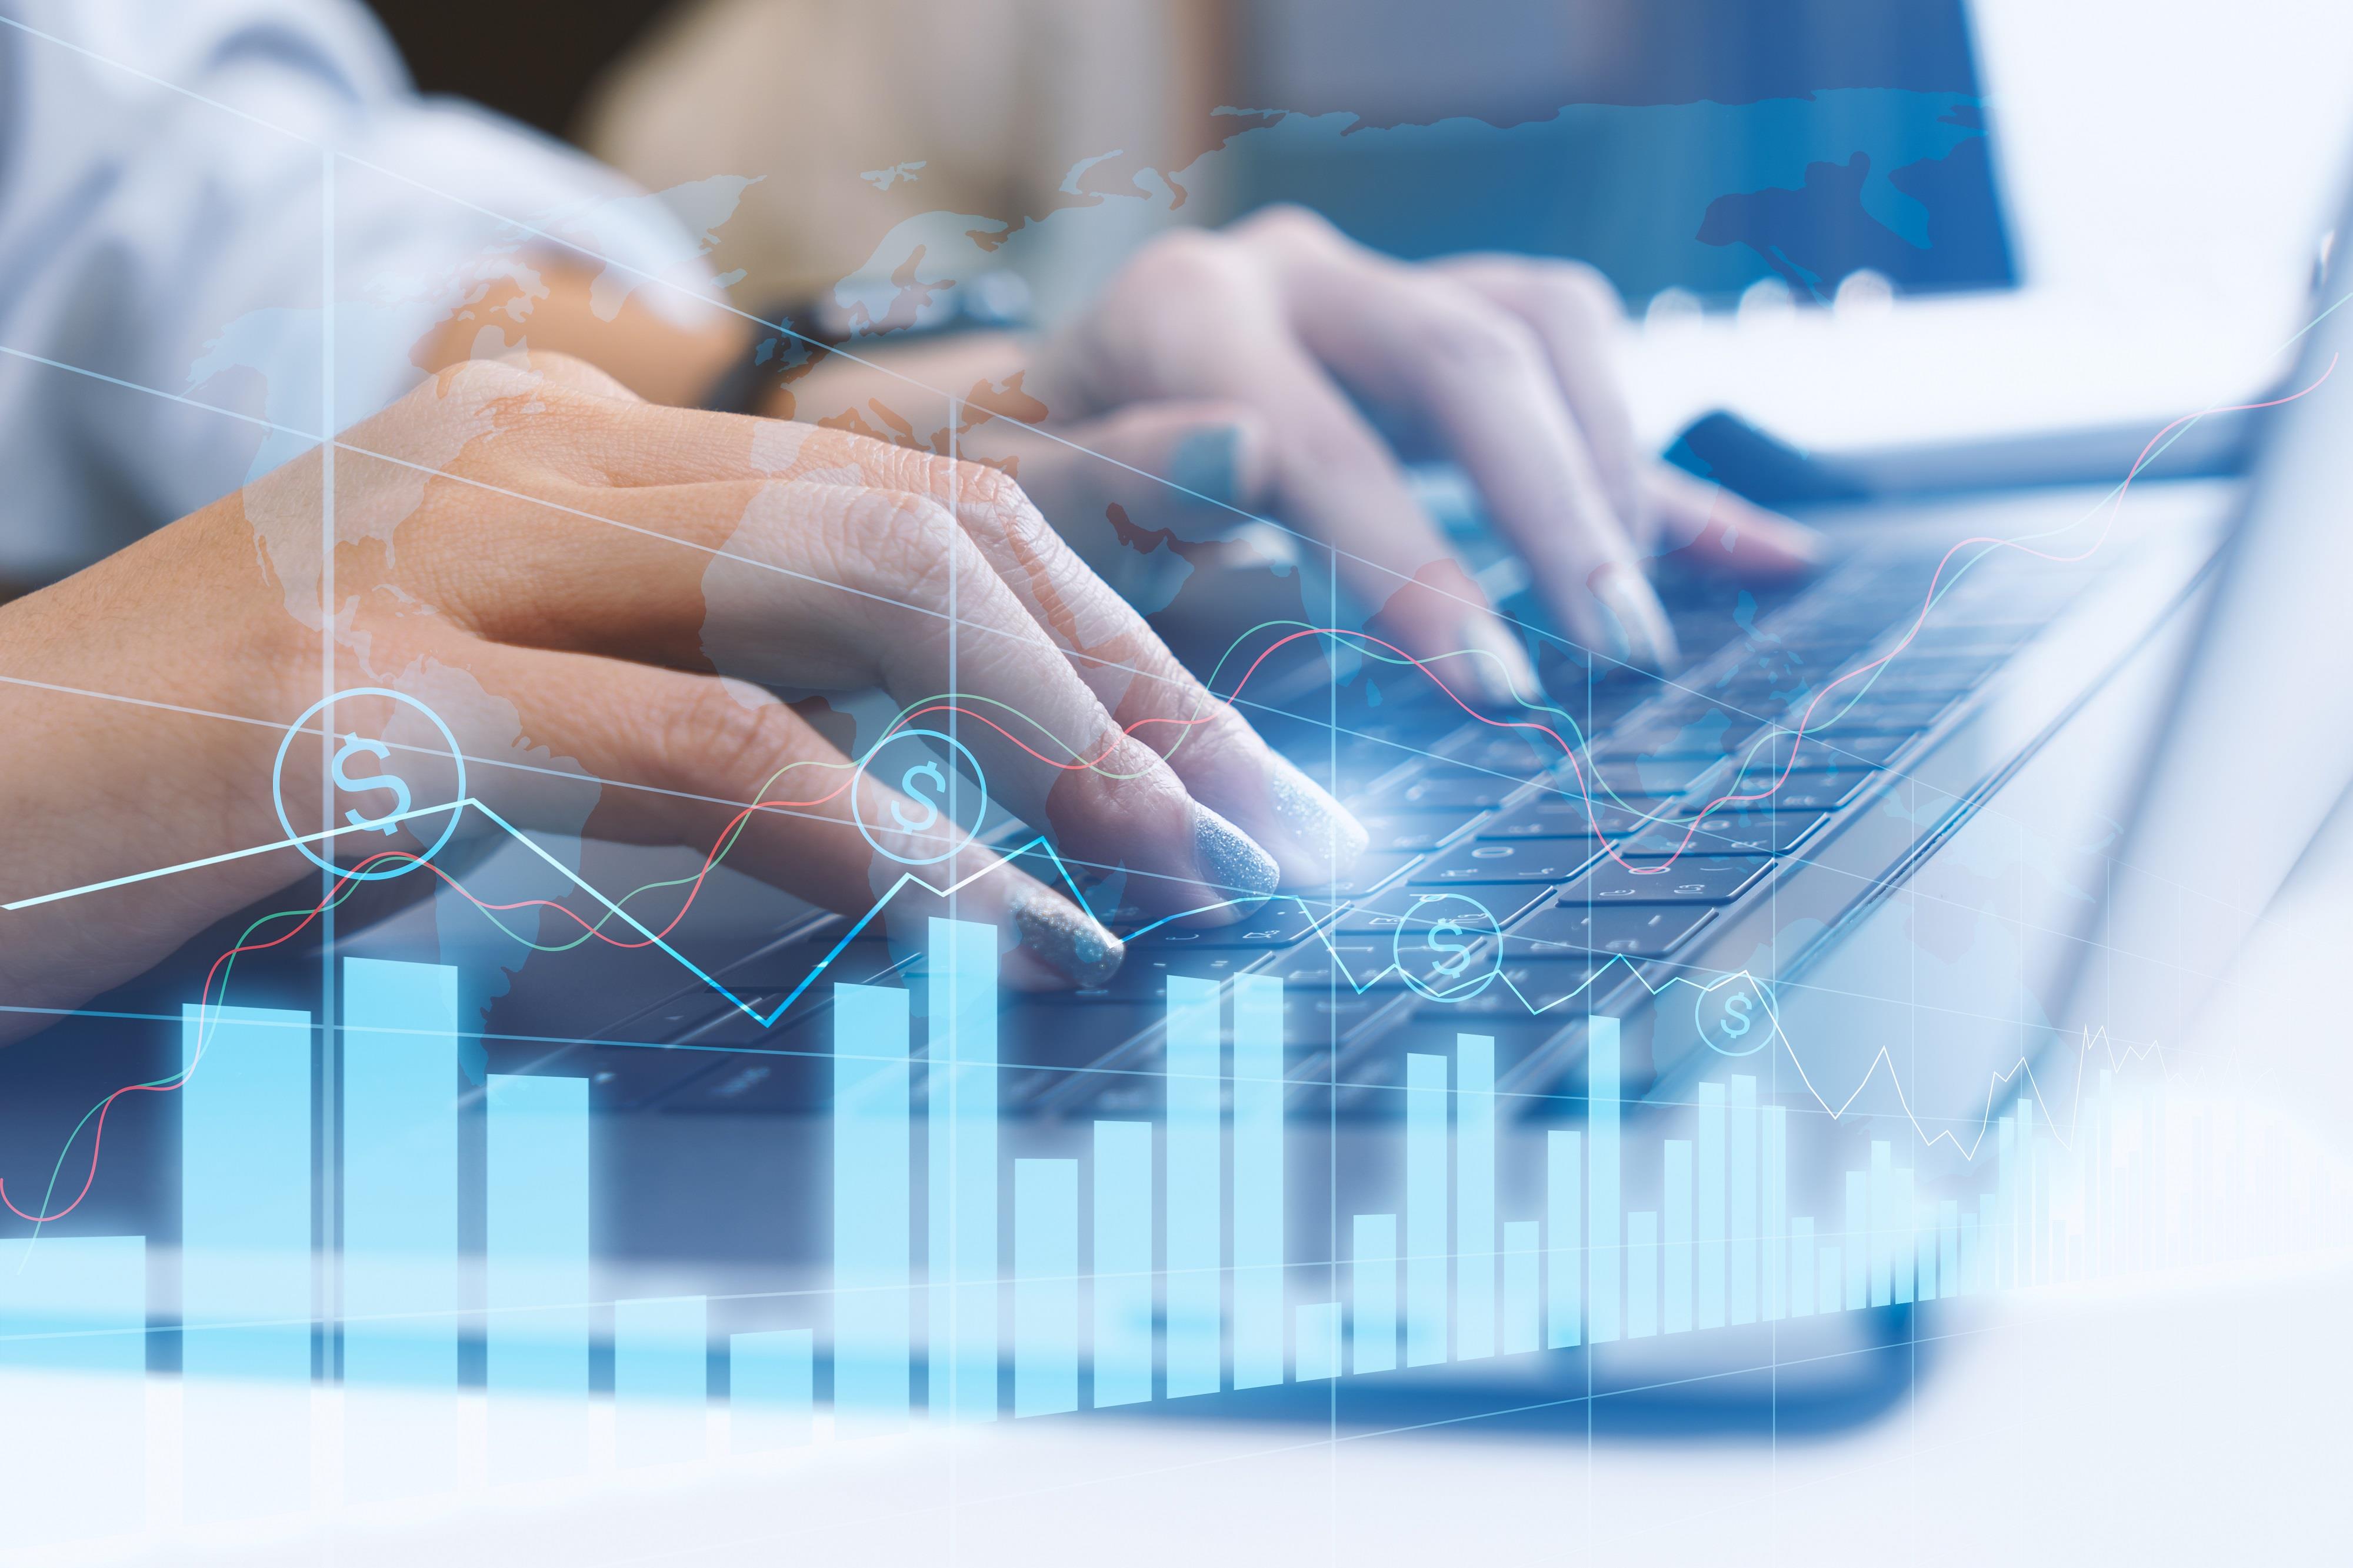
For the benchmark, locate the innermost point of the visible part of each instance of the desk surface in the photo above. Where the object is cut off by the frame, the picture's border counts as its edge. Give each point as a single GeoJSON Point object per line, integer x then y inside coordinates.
{"type": "Point", "coordinates": [2184, 1419]}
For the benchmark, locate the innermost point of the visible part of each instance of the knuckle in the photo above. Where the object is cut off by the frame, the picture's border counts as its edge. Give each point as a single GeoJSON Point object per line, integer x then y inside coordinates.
{"type": "Point", "coordinates": [1586, 288]}
{"type": "Point", "coordinates": [1290, 224]}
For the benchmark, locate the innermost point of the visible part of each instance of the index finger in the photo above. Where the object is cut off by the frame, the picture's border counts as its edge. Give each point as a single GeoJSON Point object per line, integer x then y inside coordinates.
{"type": "Point", "coordinates": [1462, 367]}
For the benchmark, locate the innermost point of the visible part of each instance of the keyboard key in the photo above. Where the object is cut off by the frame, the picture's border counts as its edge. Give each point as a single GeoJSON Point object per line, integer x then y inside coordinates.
{"type": "Point", "coordinates": [1819, 747]}
{"type": "Point", "coordinates": [792, 1071]}
{"type": "Point", "coordinates": [1664, 775]}
{"type": "Point", "coordinates": [1567, 816]}
{"type": "Point", "coordinates": [1518, 752]}
{"type": "Point", "coordinates": [1350, 962]}
{"type": "Point", "coordinates": [1413, 830]}
{"type": "Point", "coordinates": [1684, 879]}
{"type": "Point", "coordinates": [1373, 867]}
{"type": "Point", "coordinates": [1144, 976]}
{"type": "Point", "coordinates": [1382, 914]}
{"type": "Point", "coordinates": [1465, 792]}
{"type": "Point", "coordinates": [1547, 984]}
{"type": "Point", "coordinates": [1802, 792]}
{"type": "Point", "coordinates": [1868, 716]}
{"type": "Point", "coordinates": [1549, 860]}
{"type": "Point", "coordinates": [1728, 832]}
{"type": "Point", "coordinates": [1279, 922]}
{"type": "Point", "coordinates": [1629, 931]}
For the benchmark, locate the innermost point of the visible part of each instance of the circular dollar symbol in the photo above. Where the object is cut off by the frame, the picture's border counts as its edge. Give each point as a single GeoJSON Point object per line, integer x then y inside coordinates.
{"type": "Point", "coordinates": [389, 823]}
{"type": "Point", "coordinates": [928, 802]}
{"type": "Point", "coordinates": [383, 778]}
{"type": "Point", "coordinates": [1444, 947]}
{"type": "Point", "coordinates": [1733, 1016]}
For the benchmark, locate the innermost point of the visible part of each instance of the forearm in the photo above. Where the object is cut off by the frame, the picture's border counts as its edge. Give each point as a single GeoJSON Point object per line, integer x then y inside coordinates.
{"type": "Point", "coordinates": [659, 358]}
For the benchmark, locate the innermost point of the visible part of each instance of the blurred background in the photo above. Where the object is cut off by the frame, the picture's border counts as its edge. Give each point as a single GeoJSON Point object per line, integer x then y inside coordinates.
{"type": "Point", "coordinates": [2113, 163]}
{"type": "Point", "coordinates": [1700, 144]}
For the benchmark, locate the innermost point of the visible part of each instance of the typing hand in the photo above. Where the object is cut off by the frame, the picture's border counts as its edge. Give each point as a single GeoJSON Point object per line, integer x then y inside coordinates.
{"type": "Point", "coordinates": [1280, 368]}
{"type": "Point", "coordinates": [600, 596]}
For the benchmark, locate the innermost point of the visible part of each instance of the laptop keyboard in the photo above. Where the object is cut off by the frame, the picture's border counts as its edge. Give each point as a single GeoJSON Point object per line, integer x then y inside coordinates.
{"type": "Point", "coordinates": [1456, 808]}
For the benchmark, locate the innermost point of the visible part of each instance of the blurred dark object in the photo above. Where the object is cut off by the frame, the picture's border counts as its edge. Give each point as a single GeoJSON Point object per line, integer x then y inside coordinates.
{"type": "Point", "coordinates": [1770, 471]}
{"type": "Point", "coordinates": [1696, 144]}
{"type": "Point", "coordinates": [531, 62]}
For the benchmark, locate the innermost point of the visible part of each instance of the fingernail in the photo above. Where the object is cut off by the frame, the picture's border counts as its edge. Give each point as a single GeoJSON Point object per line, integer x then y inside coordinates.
{"type": "Point", "coordinates": [1317, 823]}
{"type": "Point", "coordinates": [1499, 664]}
{"type": "Point", "coordinates": [1232, 862]}
{"type": "Point", "coordinates": [1205, 460]}
{"type": "Point", "coordinates": [1065, 938]}
{"type": "Point", "coordinates": [1645, 638]}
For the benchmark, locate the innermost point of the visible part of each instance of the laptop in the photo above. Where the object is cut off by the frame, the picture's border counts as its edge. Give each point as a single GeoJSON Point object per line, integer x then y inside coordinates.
{"type": "Point", "coordinates": [1857, 902]}
{"type": "Point", "coordinates": [1877, 890]}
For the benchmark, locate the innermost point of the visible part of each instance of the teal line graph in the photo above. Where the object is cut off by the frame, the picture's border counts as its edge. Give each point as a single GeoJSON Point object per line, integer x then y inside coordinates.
{"type": "Point", "coordinates": [1999, 1079]}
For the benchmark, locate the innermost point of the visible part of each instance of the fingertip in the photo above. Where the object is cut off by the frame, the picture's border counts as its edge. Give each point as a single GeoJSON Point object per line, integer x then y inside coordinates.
{"type": "Point", "coordinates": [1061, 943]}
{"type": "Point", "coordinates": [1325, 839]}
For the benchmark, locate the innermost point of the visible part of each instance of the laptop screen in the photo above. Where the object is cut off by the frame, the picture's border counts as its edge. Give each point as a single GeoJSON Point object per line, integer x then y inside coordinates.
{"type": "Point", "coordinates": [1696, 144]}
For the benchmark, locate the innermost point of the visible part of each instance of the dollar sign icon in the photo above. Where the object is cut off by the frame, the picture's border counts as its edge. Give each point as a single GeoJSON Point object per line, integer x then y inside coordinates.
{"type": "Point", "coordinates": [1736, 1021]}
{"type": "Point", "coordinates": [907, 788]}
{"type": "Point", "coordinates": [345, 781]}
{"type": "Point", "coordinates": [1457, 951]}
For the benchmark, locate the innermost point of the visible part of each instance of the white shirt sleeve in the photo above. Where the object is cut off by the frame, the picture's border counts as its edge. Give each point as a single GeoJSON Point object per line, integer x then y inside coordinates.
{"type": "Point", "coordinates": [185, 184]}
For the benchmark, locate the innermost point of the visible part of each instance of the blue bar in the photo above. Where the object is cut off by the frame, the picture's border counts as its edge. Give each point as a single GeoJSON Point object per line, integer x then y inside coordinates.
{"type": "Point", "coordinates": [1319, 1341]}
{"type": "Point", "coordinates": [1975, 1227]}
{"type": "Point", "coordinates": [871, 1193]}
{"type": "Point", "coordinates": [1373, 1278]}
{"type": "Point", "coordinates": [1563, 1217]}
{"type": "Point", "coordinates": [2001, 1233]}
{"type": "Point", "coordinates": [1775, 1229]}
{"type": "Point", "coordinates": [1474, 1196]}
{"type": "Point", "coordinates": [1880, 1218]}
{"type": "Point", "coordinates": [1642, 1274]}
{"type": "Point", "coordinates": [1857, 1240]}
{"type": "Point", "coordinates": [73, 1363]}
{"type": "Point", "coordinates": [535, 1267]}
{"type": "Point", "coordinates": [1934, 1284]}
{"type": "Point", "coordinates": [1521, 1243]}
{"type": "Point", "coordinates": [1677, 1196]}
{"type": "Point", "coordinates": [2029, 1194]}
{"type": "Point", "coordinates": [962, 1101]}
{"type": "Point", "coordinates": [1425, 1210]}
{"type": "Point", "coordinates": [1707, 1264]}
{"type": "Point", "coordinates": [1801, 1267]}
{"type": "Point", "coordinates": [1740, 1220]}
{"type": "Point", "coordinates": [1903, 1248]}
{"type": "Point", "coordinates": [1905, 1235]}
{"type": "Point", "coordinates": [661, 1380]}
{"type": "Point", "coordinates": [245, 1148]}
{"type": "Point", "coordinates": [1196, 1294]}
{"type": "Point", "coordinates": [1124, 1310]}
{"type": "Point", "coordinates": [1601, 1235]}
{"type": "Point", "coordinates": [1826, 1288]}
{"type": "Point", "coordinates": [400, 1222]}
{"type": "Point", "coordinates": [1257, 1181]}
{"type": "Point", "coordinates": [1044, 1287]}
{"type": "Point", "coordinates": [770, 1389]}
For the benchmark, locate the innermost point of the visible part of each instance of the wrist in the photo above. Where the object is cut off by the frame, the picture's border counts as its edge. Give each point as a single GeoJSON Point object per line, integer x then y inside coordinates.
{"type": "Point", "coordinates": [859, 319]}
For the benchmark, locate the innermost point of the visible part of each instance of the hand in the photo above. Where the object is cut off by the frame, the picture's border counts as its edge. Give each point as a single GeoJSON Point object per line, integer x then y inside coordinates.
{"type": "Point", "coordinates": [1323, 363]}
{"type": "Point", "coordinates": [600, 596]}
